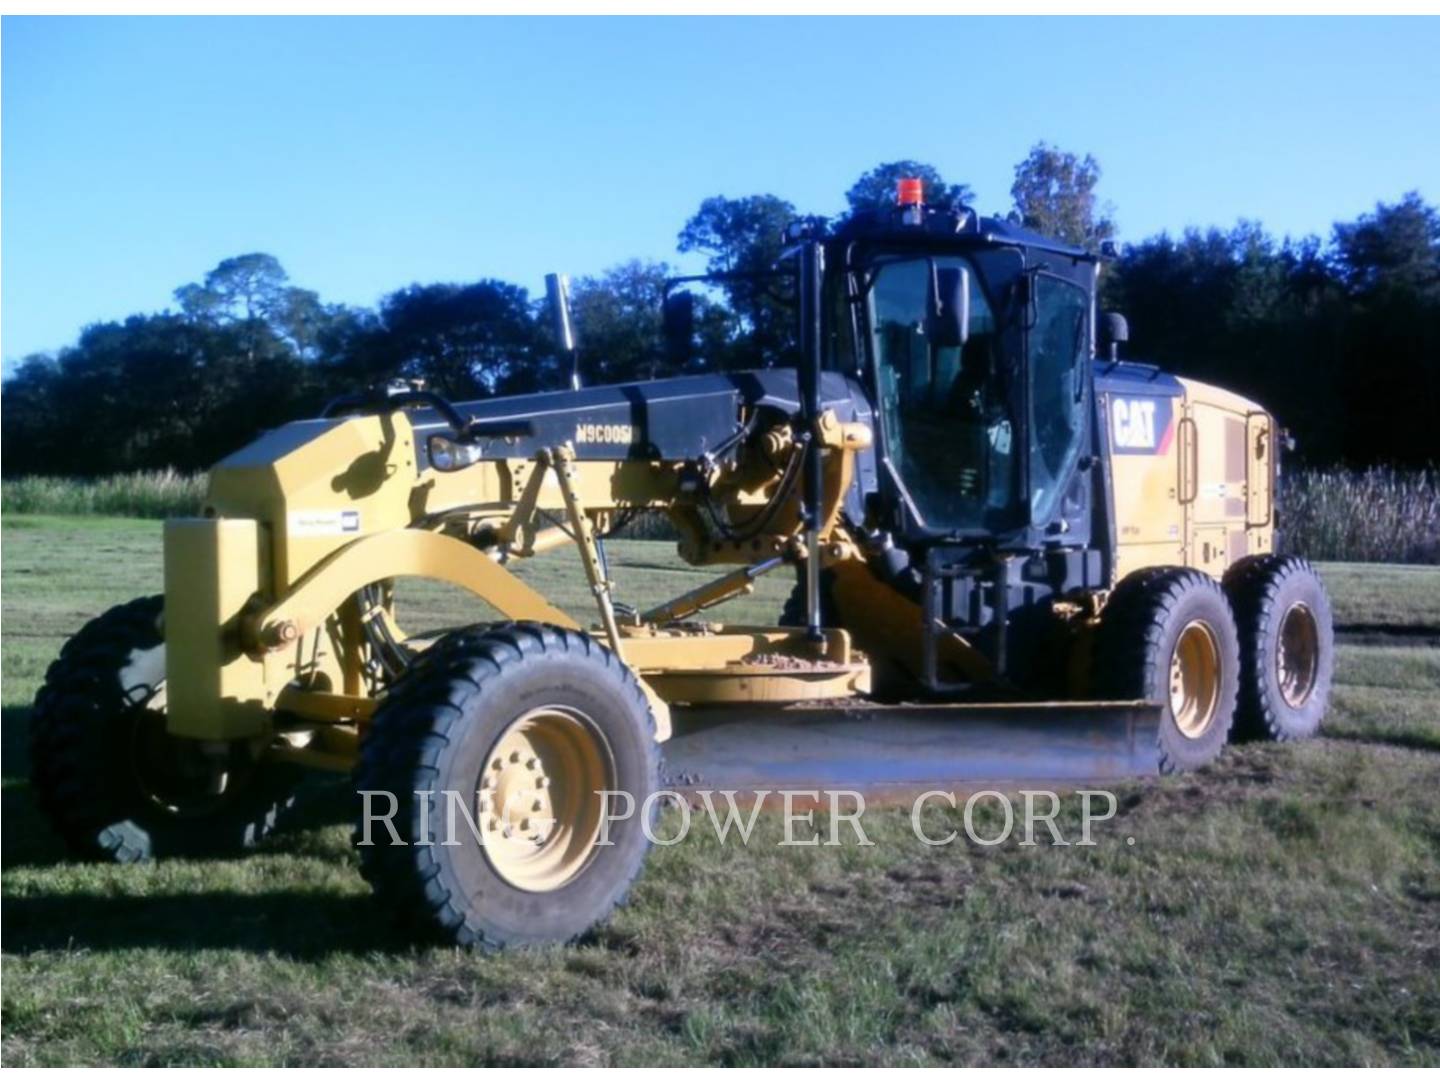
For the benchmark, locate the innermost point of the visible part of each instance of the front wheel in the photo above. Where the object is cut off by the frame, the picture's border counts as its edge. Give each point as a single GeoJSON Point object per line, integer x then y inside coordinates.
{"type": "Point", "coordinates": [110, 778]}
{"type": "Point", "coordinates": [504, 787]}
{"type": "Point", "coordinates": [1168, 635]}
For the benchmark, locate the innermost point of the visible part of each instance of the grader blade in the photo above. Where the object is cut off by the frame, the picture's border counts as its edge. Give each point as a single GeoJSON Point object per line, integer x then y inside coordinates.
{"type": "Point", "coordinates": [894, 751]}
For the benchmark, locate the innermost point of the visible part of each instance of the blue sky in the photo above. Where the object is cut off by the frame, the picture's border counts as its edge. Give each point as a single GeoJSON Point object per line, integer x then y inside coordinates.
{"type": "Point", "coordinates": [370, 153]}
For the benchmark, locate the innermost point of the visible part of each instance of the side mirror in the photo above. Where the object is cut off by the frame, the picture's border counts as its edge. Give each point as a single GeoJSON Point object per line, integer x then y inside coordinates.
{"type": "Point", "coordinates": [1114, 332]}
{"type": "Point", "coordinates": [679, 319]}
{"type": "Point", "coordinates": [947, 322]}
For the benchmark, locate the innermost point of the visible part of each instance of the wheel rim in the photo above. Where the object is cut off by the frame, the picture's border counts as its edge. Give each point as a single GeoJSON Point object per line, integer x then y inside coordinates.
{"type": "Point", "coordinates": [540, 800]}
{"type": "Point", "coordinates": [1195, 679]}
{"type": "Point", "coordinates": [1297, 659]}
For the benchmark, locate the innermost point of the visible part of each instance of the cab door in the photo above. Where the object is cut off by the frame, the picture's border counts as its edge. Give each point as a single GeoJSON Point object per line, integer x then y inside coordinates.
{"type": "Point", "coordinates": [1215, 483]}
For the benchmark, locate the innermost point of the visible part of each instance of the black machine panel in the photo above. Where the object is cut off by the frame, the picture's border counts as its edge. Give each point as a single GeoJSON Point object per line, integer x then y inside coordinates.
{"type": "Point", "coordinates": [677, 419]}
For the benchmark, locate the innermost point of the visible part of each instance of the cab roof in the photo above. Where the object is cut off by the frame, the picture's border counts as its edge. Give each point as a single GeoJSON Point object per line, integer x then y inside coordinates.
{"type": "Point", "coordinates": [881, 226]}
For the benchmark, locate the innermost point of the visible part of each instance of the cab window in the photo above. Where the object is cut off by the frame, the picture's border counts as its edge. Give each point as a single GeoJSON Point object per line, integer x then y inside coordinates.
{"type": "Point", "coordinates": [1059, 347]}
{"type": "Point", "coordinates": [946, 419]}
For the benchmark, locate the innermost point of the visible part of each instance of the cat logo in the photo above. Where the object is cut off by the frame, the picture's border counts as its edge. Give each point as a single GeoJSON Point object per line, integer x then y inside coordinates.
{"type": "Point", "coordinates": [1140, 425]}
{"type": "Point", "coordinates": [1134, 423]}
{"type": "Point", "coordinates": [604, 433]}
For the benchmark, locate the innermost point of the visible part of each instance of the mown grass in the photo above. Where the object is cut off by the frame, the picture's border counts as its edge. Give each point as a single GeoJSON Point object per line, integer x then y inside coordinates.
{"type": "Point", "coordinates": [1282, 907]}
{"type": "Point", "coordinates": [1378, 594]}
{"type": "Point", "coordinates": [1371, 515]}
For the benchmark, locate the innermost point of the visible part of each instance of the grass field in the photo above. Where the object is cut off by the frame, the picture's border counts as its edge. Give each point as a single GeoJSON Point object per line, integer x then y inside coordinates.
{"type": "Point", "coordinates": [1282, 907]}
{"type": "Point", "coordinates": [1376, 514]}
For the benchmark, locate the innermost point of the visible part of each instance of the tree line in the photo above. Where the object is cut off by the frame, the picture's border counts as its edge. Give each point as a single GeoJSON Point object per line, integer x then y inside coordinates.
{"type": "Point", "coordinates": [1339, 336]}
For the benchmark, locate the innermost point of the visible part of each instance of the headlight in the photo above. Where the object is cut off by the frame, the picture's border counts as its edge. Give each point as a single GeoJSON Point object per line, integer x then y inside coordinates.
{"type": "Point", "coordinates": [447, 455]}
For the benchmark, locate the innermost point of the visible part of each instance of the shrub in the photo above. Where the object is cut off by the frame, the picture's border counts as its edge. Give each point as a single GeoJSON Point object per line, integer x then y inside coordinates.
{"type": "Point", "coordinates": [157, 494]}
{"type": "Point", "coordinates": [1371, 515]}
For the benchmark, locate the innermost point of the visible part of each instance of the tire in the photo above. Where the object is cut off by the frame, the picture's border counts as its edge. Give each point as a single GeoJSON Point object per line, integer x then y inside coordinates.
{"type": "Point", "coordinates": [110, 780]}
{"type": "Point", "coordinates": [1168, 635]}
{"type": "Point", "coordinates": [571, 713]}
{"type": "Point", "coordinates": [1287, 647]}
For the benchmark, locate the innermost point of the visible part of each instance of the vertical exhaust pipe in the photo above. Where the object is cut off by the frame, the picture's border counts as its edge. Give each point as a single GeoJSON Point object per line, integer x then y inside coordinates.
{"type": "Point", "coordinates": [557, 295]}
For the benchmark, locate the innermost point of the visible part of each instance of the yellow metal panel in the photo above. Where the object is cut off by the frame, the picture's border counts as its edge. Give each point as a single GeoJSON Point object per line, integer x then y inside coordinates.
{"type": "Point", "coordinates": [1231, 514]}
{"type": "Point", "coordinates": [212, 569]}
{"type": "Point", "coordinates": [747, 665]}
{"type": "Point", "coordinates": [1149, 519]}
{"type": "Point", "coordinates": [680, 650]}
{"type": "Point", "coordinates": [1219, 477]}
{"type": "Point", "coordinates": [760, 683]}
{"type": "Point", "coordinates": [317, 485]}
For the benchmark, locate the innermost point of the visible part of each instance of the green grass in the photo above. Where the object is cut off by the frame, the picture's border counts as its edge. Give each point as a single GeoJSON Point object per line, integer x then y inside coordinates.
{"type": "Point", "coordinates": [1375, 514]}
{"type": "Point", "coordinates": [1371, 594]}
{"type": "Point", "coordinates": [1282, 907]}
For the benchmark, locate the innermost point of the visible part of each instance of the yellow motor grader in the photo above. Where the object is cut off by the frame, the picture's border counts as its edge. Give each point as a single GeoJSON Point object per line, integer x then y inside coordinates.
{"type": "Point", "coordinates": [993, 522]}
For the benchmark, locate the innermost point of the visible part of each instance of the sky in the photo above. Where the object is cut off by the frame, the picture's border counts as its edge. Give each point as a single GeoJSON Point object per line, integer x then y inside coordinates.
{"type": "Point", "coordinates": [370, 153]}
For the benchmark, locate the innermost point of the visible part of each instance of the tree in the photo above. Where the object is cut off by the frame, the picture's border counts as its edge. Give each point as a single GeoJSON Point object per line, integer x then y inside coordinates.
{"type": "Point", "coordinates": [1054, 193]}
{"type": "Point", "coordinates": [254, 288]}
{"type": "Point", "coordinates": [618, 318]}
{"type": "Point", "coordinates": [466, 341]}
{"type": "Point", "coordinates": [875, 190]}
{"type": "Point", "coordinates": [243, 287]}
{"type": "Point", "coordinates": [1389, 264]}
{"type": "Point", "coordinates": [738, 234]}
{"type": "Point", "coordinates": [744, 236]}
{"type": "Point", "coordinates": [1395, 248]}
{"type": "Point", "coordinates": [30, 412]}
{"type": "Point", "coordinates": [153, 391]}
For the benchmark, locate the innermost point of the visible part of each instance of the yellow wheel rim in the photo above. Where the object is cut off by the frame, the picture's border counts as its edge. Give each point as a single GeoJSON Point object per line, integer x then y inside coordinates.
{"type": "Point", "coordinates": [1195, 679]}
{"type": "Point", "coordinates": [539, 797]}
{"type": "Point", "coordinates": [1297, 657]}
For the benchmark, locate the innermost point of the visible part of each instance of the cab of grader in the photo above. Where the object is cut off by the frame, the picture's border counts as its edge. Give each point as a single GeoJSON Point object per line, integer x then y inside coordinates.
{"type": "Point", "coordinates": [984, 516]}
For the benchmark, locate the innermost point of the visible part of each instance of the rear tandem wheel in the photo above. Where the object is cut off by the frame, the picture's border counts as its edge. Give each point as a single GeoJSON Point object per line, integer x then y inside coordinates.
{"type": "Point", "coordinates": [1167, 634]}
{"type": "Point", "coordinates": [1287, 646]}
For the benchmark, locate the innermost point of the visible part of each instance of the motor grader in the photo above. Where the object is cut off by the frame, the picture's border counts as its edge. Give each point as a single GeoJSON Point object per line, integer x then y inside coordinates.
{"type": "Point", "coordinates": [993, 521]}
